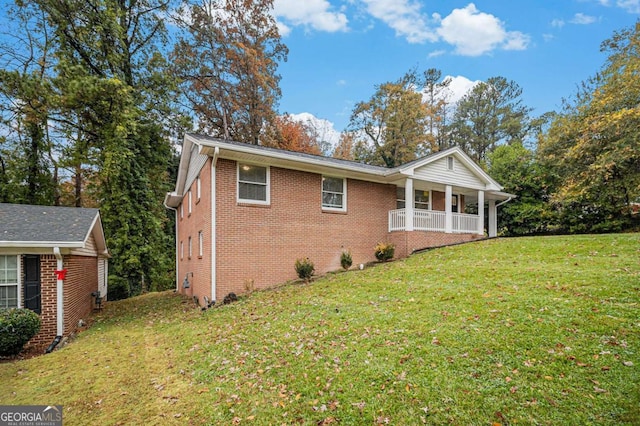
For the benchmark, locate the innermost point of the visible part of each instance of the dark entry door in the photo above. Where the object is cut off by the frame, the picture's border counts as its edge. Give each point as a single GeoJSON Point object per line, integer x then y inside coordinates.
{"type": "Point", "coordinates": [32, 299]}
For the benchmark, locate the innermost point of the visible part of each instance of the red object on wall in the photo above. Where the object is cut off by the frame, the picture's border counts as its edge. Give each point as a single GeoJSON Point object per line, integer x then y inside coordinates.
{"type": "Point", "coordinates": [60, 274]}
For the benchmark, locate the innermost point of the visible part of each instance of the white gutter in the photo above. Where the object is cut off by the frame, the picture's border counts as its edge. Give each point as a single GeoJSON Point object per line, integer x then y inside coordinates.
{"type": "Point", "coordinates": [504, 202]}
{"type": "Point", "coordinates": [60, 294]}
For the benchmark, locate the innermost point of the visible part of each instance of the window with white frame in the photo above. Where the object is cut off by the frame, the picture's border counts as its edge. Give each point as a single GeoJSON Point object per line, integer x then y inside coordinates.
{"type": "Point", "coordinates": [200, 243]}
{"type": "Point", "coordinates": [189, 248]}
{"type": "Point", "coordinates": [421, 199]}
{"type": "Point", "coordinates": [334, 192]}
{"type": "Point", "coordinates": [190, 201]}
{"type": "Point", "coordinates": [450, 163]}
{"type": "Point", "coordinates": [181, 210]}
{"type": "Point", "coordinates": [198, 189]}
{"type": "Point", "coordinates": [253, 184]}
{"type": "Point", "coordinates": [8, 281]}
{"type": "Point", "coordinates": [181, 250]}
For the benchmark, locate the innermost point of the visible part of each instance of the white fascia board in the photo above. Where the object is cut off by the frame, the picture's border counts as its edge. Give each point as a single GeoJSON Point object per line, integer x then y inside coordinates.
{"type": "Point", "coordinates": [42, 244]}
{"type": "Point", "coordinates": [98, 234]}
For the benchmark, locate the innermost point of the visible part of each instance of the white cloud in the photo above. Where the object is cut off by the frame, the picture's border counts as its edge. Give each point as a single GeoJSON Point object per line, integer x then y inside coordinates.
{"type": "Point", "coordinates": [582, 19]}
{"type": "Point", "coordinates": [316, 14]}
{"type": "Point", "coordinates": [631, 6]}
{"type": "Point", "coordinates": [405, 17]}
{"type": "Point", "coordinates": [557, 23]}
{"type": "Point", "coordinates": [324, 128]}
{"type": "Point", "coordinates": [436, 53]}
{"type": "Point", "coordinates": [458, 87]}
{"type": "Point", "coordinates": [474, 33]}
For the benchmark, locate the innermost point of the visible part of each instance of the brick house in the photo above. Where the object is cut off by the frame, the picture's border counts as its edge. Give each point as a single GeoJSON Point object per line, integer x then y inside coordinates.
{"type": "Point", "coordinates": [245, 213]}
{"type": "Point", "coordinates": [36, 243]}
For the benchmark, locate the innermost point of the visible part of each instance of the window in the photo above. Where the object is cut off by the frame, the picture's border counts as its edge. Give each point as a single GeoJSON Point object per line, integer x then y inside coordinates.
{"type": "Point", "coordinates": [181, 250]}
{"type": "Point", "coordinates": [449, 163]}
{"type": "Point", "coordinates": [200, 243]}
{"type": "Point", "coordinates": [190, 249]}
{"type": "Point", "coordinates": [421, 199]}
{"type": "Point", "coordinates": [190, 200]}
{"type": "Point", "coordinates": [400, 201]}
{"type": "Point", "coordinates": [198, 189]}
{"type": "Point", "coordinates": [334, 193]}
{"type": "Point", "coordinates": [181, 210]}
{"type": "Point", "coordinates": [454, 203]}
{"type": "Point", "coordinates": [253, 184]}
{"type": "Point", "coordinates": [8, 281]}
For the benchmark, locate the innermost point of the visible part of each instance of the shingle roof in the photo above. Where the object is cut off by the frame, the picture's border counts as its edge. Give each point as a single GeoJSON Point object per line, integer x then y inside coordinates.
{"type": "Point", "coordinates": [28, 223]}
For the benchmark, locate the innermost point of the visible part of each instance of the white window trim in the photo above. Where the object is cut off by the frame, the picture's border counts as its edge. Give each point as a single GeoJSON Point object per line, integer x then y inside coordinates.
{"type": "Point", "coordinates": [429, 205]}
{"type": "Point", "coordinates": [200, 243]}
{"type": "Point", "coordinates": [18, 283]}
{"type": "Point", "coordinates": [181, 250]}
{"type": "Point", "coordinates": [344, 195]}
{"type": "Point", "coordinates": [198, 189]}
{"type": "Point", "coordinates": [450, 163]}
{"type": "Point", "coordinates": [190, 247]}
{"type": "Point", "coordinates": [190, 202]}
{"type": "Point", "coordinates": [268, 185]}
{"type": "Point", "coordinates": [182, 210]}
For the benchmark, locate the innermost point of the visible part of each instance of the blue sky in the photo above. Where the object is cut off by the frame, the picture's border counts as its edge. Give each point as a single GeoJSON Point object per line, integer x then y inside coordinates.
{"type": "Point", "coordinates": [340, 49]}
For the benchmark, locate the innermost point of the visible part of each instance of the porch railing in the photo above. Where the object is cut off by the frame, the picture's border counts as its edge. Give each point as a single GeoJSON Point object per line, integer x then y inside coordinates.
{"type": "Point", "coordinates": [433, 220]}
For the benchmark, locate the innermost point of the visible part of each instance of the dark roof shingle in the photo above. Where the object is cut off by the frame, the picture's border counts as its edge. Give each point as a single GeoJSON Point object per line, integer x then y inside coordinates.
{"type": "Point", "coordinates": [28, 223]}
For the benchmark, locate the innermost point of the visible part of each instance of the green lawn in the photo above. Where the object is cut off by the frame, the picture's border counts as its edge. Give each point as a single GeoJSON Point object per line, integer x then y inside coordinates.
{"type": "Point", "coordinates": [541, 330]}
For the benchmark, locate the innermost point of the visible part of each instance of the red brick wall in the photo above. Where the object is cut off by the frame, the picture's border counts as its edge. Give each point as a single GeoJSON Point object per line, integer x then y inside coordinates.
{"type": "Point", "coordinates": [198, 267]}
{"type": "Point", "coordinates": [80, 281]}
{"type": "Point", "coordinates": [49, 310]}
{"type": "Point", "coordinates": [260, 244]}
{"type": "Point", "coordinates": [407, 242]}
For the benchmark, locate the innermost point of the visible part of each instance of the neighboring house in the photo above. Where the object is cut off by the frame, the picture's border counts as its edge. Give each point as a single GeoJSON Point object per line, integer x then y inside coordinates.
{"type": "Point", "coordinates": [53, 260]}
{"type": "Point", "coordinates": [245, 213]}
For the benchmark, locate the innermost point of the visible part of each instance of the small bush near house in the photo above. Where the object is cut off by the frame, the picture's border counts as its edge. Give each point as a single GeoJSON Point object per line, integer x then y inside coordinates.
{"type": "Point", "coordinates": [384, 251]}
{"type": "Point", "coordinates": [345, 259]}
{"type": "Point", "coordinates": [118, 288]}
{"type": "Point", "coordinates": [304, 268]}
{"type": "Point", "coordinates": [17, 327]}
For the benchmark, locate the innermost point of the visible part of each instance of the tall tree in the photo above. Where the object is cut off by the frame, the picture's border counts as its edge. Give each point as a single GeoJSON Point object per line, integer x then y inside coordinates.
{"type": "Point", "coordinates": [593, 147]}
{"type": "Point", "coordinates": [491, 113]}
{"type": "Point", "coordinates": [227, 58]}
{"type": "Point", "coordinates": [393, 121]}
{"type": "Point", "coordinates": [287, 133]}
{"type": "Point", "coordinates": [113, 87]}
{"type": "Point", "coordinates": [436, 99]}
{"type": "Point", "coordinates": [29, 167]}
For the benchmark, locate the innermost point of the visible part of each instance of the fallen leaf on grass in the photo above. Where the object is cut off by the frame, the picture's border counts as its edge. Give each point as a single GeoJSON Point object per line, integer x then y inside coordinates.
{"type": "Point", "coordinates": [627, 363]}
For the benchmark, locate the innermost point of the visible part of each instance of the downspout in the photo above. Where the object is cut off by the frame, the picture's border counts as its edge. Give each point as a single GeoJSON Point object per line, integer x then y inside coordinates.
{"type": "Point", "coordinates": [214, 162]}
{"type": "Point", "coordinates": [59, 303]}
{"type": "Point", "coordinates": [504, 202]}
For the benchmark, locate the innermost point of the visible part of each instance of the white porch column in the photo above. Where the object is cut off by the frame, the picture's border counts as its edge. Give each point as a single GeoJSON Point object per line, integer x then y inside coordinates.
{"type": "Point", "coordinates": [408, 204]}
{"type": "Point", "coordinates": [493, 219]}
{"type": "Point", "coordinates": [480, 212]}
{"type": "Point", "coordinates": [448, 216]}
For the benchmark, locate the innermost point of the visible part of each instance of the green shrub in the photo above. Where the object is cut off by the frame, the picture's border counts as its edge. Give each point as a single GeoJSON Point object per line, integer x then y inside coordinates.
{"type": "Point", "coordinates": [345, 259]}
{"type": "Point", "coordinates": [118, 288]}
{"type": "Point", "coordinates": [384, 251]}
{"type": "Point", "coordinates": [304, 268]}
{"type": "Point", "coordinates": [17, 327]}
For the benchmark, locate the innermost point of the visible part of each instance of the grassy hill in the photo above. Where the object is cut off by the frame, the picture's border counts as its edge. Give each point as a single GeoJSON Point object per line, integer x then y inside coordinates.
{"type": "Point", "coordinates": [541, 330]}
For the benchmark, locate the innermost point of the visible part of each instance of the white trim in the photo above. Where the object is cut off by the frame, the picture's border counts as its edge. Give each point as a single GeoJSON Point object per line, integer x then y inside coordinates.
{"type": "Point", "coordinates": [480, 212]}
{"type": "Point", "coordinates": [200, 243]}
{"type": "Point", "coordinates": [409, 207]}
{"type": "Point", "coordinates": [344, 194]}
{"type": "Point", "coordinates": [213, 226]}
{"type": "Point", "coordinates": [198, 188]}
{"type": "Point", "coordinates": [59, 294]}
{"type": "Point", "coordinates": [189, 208]}
{"type": "Point", "coordinates": [267, 200]}
{"type": "Point", "coordinates": [448, 220]}
{"type": "Point", "coordinates": [17, 283]}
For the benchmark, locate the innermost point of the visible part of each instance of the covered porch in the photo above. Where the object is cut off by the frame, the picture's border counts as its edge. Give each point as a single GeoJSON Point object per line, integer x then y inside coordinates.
{"type": "Point", "coordinates": [446, 208]}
